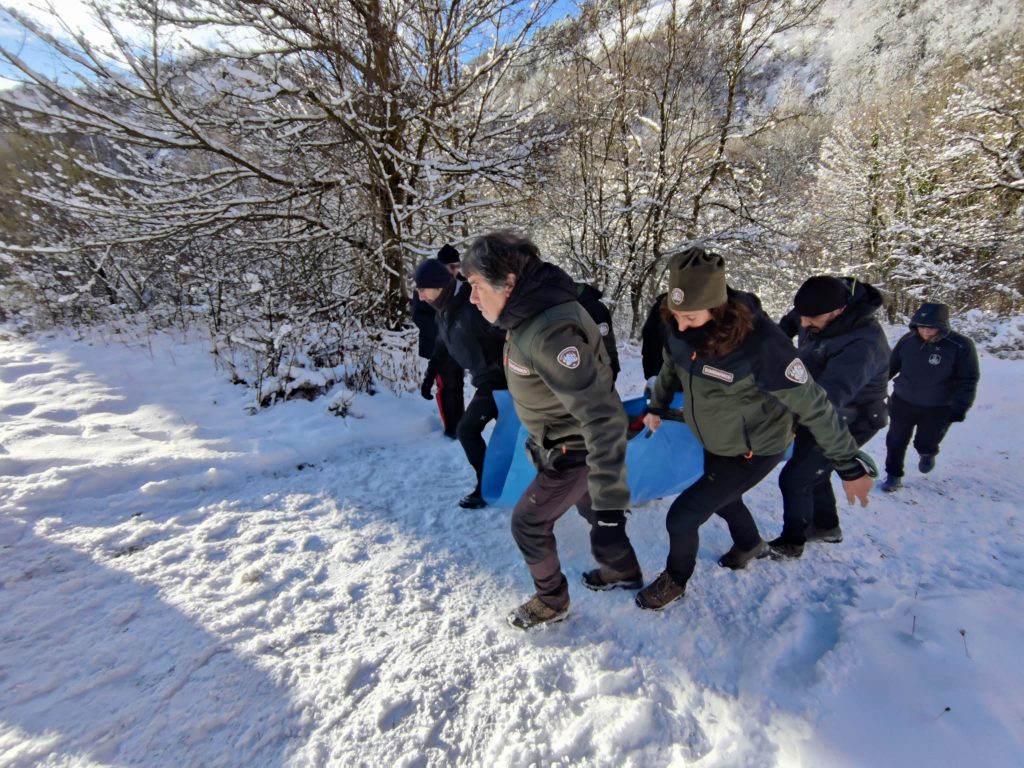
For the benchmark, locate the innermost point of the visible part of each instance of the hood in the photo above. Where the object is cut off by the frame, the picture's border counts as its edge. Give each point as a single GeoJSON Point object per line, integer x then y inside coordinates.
{"type": "Point", "coordinates": [933, 316]}
{"type": "Point", "coordinates": [865, 301]}
{"type": "Point", "coordinates": [541, 286]}
{"type": "Point", "coordinates": [587, 292]}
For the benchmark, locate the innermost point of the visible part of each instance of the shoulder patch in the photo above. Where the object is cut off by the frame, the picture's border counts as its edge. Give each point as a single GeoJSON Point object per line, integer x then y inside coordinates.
{"type": "Point", "coordinates": [603, 328]}
{"type": "Point", "coordinates": [718, 373]}
{"type": "Point", "coordinates": [516, 367]}
{"type": "Point", "coordinates": [795, 371]}
{"type": "Point", "coordinates": [569, 357]}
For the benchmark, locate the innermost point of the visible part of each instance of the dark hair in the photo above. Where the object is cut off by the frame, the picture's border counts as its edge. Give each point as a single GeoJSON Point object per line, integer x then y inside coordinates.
{"type": "Point", "coordinates": [733, 321]}
{"type": "Point", "coordinates": [494, 255]}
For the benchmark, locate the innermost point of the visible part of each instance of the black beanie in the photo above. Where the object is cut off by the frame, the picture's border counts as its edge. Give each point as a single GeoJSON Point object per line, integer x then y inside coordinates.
{"type": "Point", "coordinates": [432, 274]}
{"type": "Point", "coordinates": [821, 294]}
{"type": "Point", "coordinates": [447, 254]}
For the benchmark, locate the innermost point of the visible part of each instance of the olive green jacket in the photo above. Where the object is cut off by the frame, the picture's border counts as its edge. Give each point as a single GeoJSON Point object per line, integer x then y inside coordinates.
{"type": "Point", "coordinates": [560, 378]}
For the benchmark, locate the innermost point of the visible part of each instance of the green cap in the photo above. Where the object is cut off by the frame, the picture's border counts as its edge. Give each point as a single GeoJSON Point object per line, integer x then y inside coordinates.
{"type": "Point", "coordinates": [696, 280]}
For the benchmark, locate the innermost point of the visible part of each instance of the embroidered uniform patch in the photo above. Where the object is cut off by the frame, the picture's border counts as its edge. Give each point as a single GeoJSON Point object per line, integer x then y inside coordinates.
{"type": "Point", "coordinates": [718, 373]}
{"type": "Point", "coordinates": [795, 371]}
{"type": "Point", "coordinates": [517, 368]}
{"type": "Point", "coordinates": [603, 328]}
{"type": "Point", "coordinates": [569, 357]}
{"type": "Point", "coordinates": [677, 295]}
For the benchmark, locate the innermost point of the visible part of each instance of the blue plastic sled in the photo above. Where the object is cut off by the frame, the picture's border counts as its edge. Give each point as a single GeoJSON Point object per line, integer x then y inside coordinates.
{"type": "Point", "coordinates": [662, 464]}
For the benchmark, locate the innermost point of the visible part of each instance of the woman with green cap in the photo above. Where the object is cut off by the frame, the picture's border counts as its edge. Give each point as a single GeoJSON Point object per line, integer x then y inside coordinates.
{"type": "Point", "coordinates": [743, 385]}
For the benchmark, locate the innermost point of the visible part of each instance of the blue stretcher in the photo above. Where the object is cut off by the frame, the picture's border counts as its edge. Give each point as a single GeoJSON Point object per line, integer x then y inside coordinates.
{"type": "Point", "coordinates": [664, 463]}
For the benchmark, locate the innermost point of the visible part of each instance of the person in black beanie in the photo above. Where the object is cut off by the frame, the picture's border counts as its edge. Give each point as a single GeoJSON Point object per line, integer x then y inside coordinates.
{"type": "Point", "coordinates": [445, 372]}
{"type": "Point", "coordinates": [844, 349]}
{"type": "Point", "coordinates": [936, 378]}
{"type": "Point", "coordinates": [475, 345]}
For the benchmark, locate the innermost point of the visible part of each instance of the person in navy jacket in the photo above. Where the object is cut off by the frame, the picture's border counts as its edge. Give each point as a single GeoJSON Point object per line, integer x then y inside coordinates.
{"type": "Point", "coordinates": [935, 373]}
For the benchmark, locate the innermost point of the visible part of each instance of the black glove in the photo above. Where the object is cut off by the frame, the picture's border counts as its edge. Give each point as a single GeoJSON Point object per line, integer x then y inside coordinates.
{"type": "Point", "coordinates": [956, 414]}
{"type": "Point", "coordinates": [427, 388]}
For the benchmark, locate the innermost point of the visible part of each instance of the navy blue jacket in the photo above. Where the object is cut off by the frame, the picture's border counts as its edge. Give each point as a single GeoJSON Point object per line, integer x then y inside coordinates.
{"type": "Point", "coordinates": [425, 319]}
{"type": "Point", "coordinates": [465, 335]}
{"type": "Point", "coordinates": [850, 357]}
{"type": "Point", "coordinates": [943, 372]}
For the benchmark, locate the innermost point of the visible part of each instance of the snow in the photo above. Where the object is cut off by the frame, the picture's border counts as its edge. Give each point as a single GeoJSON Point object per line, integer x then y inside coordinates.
{"type": "Point", "coordinates": [185, 584]}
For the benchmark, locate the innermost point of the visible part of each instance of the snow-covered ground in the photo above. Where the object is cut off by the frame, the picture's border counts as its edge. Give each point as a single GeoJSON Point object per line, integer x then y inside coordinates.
{"type": "Point", "coordinates": [182, 584]}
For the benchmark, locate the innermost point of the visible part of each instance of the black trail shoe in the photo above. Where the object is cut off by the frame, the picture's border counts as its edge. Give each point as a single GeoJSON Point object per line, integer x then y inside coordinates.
{"type": "Point", "coordinates": [659, 593]}
{"type": "Point", "coordinates": [891, 484]}
{"type": "Point", "coordinates": [535, 613]}
{"type": "Point", "coordinates": [736, 559]}
{"type": "Point", "coordinates": [605, 578]}
{"type": "Point", "coordinates": [472, 501]}
{"type": "Point", "coordinates": [780, 549]}
{"type": "Point", "coordinates": [926, 463]}
{"type": "Point", "coordinates": [828, 535]}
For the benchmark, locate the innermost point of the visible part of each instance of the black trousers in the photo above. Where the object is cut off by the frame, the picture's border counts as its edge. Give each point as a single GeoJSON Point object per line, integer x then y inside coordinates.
{"type": "Point", "coordinates": [930, 422]}
{"type": "Point", "coordinates": [450, 395]}
{"type": "Point", "coordinates": [806, 484]}
{"type": "Point", "coordinates": [544, 501]}
{"type": "Point", "coordinates": [481, 409]}
{"type": "Point", "coordinates": [718, 492]}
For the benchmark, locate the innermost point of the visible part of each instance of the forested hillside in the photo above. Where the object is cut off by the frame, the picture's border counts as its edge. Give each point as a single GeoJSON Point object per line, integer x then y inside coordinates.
{"type": "Point", "coordinates": [275, 170]}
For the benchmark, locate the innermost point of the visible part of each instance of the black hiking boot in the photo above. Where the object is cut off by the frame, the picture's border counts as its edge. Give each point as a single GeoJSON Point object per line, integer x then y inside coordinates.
{"type": "Point", "coordinates": [781, 549]}
{"type": "Point", "coordinates": [891, 484]}
{"type": "Point", "coordinates": [736, 559]}
{"type": "Point", "coordinates": [474, 500]}
{"type": "Point", "coordinates": [536, 613]}
{"type": "Point", "coordinates": [828, 535]}
{"type": "Point", "coordinates": [926, 463]}
{"type": "Point", "coordinates": [660, 592]}
{"type": "Point", "coordinates": [605, 578]}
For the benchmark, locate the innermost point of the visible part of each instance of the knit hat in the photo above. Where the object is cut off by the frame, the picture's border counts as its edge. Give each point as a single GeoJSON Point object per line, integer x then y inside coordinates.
{"type": "Point", "coordinates": [931, 315]}
{"type": "Point", "coordinates": [696, 280]}
{"type": "Point", "coordinates": [447, 254]}
{"type": "Point", "coordinates": [432, 274]}
{"type": "Point", "coordinates": [821, 294]}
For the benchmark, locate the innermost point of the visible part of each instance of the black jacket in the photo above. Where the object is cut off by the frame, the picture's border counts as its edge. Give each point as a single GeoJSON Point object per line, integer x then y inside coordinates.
{"type": "Point", "coordinates": [590, 298]}
{"type": "Point", "coordinates": [425, 319]}
{"type": "Point", "coordinates": [653, 339]}
{"type": "Point", "coordinates": [464, 334]}
{"type": "Point", "coordinates": [850, 357]}
{"type": "Point", "coordinates": [943, 372]}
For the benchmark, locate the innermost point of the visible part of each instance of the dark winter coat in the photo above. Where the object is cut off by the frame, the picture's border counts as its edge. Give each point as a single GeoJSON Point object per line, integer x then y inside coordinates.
{"type": "Point", "coordinates": [590, 298]}
{"type": "Point", "coordinates": [652, 339]}
{"type": "Point", "coordinates": [943, 372]}
{"type": "Point", "coordinates": [849, 359]}
{"type": "Point", "coordinates": [425, 319]}
{"type": "Point", "coordinates": [465, 335]}
{"type": "Point", "coordinates": [744, 402]}
{"type": "Point", "coordinates": [560, 378]}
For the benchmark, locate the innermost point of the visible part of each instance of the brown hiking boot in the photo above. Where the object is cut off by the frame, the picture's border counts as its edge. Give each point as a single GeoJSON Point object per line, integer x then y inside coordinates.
{"type": "Point", "coordinates": [534, 613]}
{"type": "Point", "coordinates": [662, 591]}
{"type": "Point", "coordinates": [737, 558]}
{"type": "Point", "coordinates": [605, 578]}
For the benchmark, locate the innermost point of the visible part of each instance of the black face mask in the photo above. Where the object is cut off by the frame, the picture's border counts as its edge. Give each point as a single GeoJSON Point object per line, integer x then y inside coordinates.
{"type": "Point", "coordinates": [696, 337]}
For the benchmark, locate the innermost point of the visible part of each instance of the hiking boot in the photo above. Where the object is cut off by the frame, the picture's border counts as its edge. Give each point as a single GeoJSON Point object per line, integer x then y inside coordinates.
{"type": "Point", "coordinates": [535, 613]}
{"type": "Point", "coordinates": [891, 484]}
{"type": "Point", "coordinates": [472, 500]}
{"type": "Point", "coordinates": [737, 559]}
{"type": "Point", "coordinates": [605, 578]}
{"type": "Point", "coordinates": [659, 593]}
{"type": "Point", "coordinates": [828, 535]}
{"type": "Point", "coordinates": [926, 463]}
{"type": "Point", "coordinates": [780, 549]}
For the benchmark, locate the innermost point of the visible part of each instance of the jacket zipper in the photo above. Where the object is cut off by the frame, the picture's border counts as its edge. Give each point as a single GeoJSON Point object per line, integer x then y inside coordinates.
{"type": "Point", "coordinates": [693, 400]}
